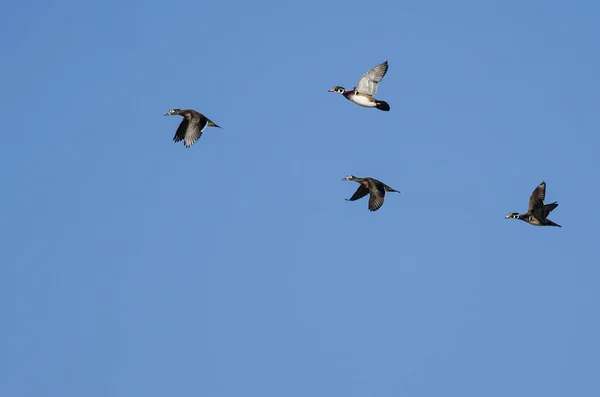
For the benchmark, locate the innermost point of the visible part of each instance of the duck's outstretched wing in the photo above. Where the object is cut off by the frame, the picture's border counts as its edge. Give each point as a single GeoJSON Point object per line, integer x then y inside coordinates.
{"type": "Point", "coordinates": [369, 81]}
{"type": "Point", "coordinates": [536, 200]}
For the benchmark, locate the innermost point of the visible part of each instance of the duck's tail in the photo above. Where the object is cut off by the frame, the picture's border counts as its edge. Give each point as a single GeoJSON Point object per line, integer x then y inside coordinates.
{"type": "Point", "coordinates": [382, 105]}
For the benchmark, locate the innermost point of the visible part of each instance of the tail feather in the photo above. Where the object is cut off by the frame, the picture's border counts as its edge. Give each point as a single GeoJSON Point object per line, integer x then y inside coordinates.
{"type": "Point", "coordinates": [382, 105]}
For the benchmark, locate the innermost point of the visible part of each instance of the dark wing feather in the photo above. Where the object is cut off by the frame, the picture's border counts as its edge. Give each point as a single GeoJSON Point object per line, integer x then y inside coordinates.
{"type": "Point", "coordinates": [537, 197]}
{"type": "Point", "coordinates": [193, 133]}
{"type": "Point", "coordinates": [377, 197]}
{"type": "Point", "coordinates": [180, 133]}
{"type": "Point", "coordinates": [361, 192]}
{"type": "Point", "coordinates": [542, 212]}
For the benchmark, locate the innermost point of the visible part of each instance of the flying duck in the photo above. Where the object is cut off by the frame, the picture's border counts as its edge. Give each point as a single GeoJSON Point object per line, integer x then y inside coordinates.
{"type": "Point", "coordinates": [363, 93]}
{"type": "Point", "coordinates": [191, 127]}
{"type": "Point", "coordinates": [376, 190]}
{"type": "Point", "coordinates": [537, 212]}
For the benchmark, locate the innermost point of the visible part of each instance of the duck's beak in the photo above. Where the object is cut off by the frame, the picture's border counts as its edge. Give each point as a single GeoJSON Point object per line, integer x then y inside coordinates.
{"type": "Point", "coordinates": [330, 90]}
{"type": "Point", "coordinates": [167, 114]}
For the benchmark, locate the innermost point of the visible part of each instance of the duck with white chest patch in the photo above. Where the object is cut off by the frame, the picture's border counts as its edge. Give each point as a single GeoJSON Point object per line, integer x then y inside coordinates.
{"type": "Point", "coordinates": [363, 93]}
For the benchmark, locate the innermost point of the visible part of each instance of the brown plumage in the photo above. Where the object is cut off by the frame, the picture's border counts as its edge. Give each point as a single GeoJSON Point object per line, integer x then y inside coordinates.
{"type": "Point", "coordinates": [537, 213]}
{"type": "Point", "coordinates": [191, 127]}
{"type": "Point", "coordinates": [374, 188]}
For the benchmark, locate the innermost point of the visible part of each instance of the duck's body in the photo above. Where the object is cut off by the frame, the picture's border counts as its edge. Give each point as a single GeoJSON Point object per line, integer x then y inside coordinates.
{"type": "Point", "coordinates": [363, 93]}
{"type": "Point", "coordinates": [374, 188]}
{"type": "Point", "coordinates": [537, 213]}
{"type": "Point", "coordinates": [191, 127]}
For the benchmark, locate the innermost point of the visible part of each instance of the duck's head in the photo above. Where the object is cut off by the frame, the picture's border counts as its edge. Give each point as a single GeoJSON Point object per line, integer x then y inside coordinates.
{"type": "Point", "coordinates": [513, 215]}
{"type": "Point", "coordinates": [349, 178]}
{"type": "Point", "coordinates": [173, 112]}
{"type": "Point", "coordinates": [338, 89]}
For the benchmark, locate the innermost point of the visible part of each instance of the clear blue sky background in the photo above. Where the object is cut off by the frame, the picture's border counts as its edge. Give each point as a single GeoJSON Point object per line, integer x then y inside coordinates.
{"type": "Point", "coordinates": [131, 266]}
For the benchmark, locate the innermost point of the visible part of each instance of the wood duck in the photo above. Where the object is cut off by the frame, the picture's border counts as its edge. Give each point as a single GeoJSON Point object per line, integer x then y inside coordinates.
{"type": "Point", "coordinates": [376, 189]}
{"type": "Point", "coordinates": [537, 212]}
{"type": "Point", "coordinates": [363, 93]}
{"type": "Point", "coordinates": [191, 127]}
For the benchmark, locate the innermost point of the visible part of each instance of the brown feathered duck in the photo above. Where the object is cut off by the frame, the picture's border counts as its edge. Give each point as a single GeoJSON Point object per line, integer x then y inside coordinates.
{"type": "Point", "coordinates": [374, 188]}
{"type": "Point", "coordinates": [537, 213]}
{"type": "Point", "coordinates": [363, 93]}
{"type": "Point", "coordinates": [191, 127]}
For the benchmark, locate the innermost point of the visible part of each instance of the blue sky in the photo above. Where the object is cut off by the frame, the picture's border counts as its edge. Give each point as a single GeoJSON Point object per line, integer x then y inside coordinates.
{"type": "Point", "coordinates": [133, 266]}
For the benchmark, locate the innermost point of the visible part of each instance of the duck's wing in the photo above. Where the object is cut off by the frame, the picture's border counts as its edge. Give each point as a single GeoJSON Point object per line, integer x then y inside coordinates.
{"type": "Point", "coordinates": [181, 130]}
{"type": "Point", "coordinates": [536, 200]}
{"type": "Point", "coordinates": [194, 129]}
{"type": "Point", "coordinates": [377, 197]}
{"type": "Point", "coordinates": [543, 211]}
{"type": "Point", "coordinates": [369, 81]}
{"type": "Point", "coordinates": [193, 133]}
{"type": "Point", "coordinates": [361, 192]}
